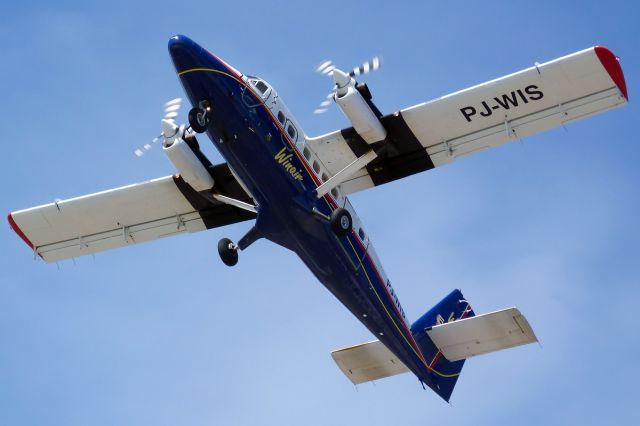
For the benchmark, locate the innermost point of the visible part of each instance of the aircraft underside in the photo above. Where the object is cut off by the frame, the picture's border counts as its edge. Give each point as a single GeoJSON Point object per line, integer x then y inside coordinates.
{"type": "Point", "coordinates": [296, 187]}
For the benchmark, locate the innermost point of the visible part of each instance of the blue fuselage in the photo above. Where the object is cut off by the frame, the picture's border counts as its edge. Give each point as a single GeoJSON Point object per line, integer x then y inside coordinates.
{"type": "Point", "coordinates": [265, 159]}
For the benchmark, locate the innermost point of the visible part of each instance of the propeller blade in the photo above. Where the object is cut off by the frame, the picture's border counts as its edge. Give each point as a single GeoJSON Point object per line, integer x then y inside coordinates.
{"type": "Point", "coordinates": [173, 102]}
{"type": "Point", "coordinates": [324, 105]}
{"type": "Point", "coordinates": [168, 125]}
{"type": "Point", "coordinates": [367, 67]}
{"type": "Point", "coordinates": [342, 79]}
{"type": "Point", "coordinates": [325, 67]}
{"type": "Point", "coordinates": [171, 108]}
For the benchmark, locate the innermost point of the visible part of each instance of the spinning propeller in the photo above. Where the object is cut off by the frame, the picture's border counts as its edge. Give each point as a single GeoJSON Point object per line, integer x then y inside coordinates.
{"type": "Point", "coordinates": [170, 130]}
{"type": "Point", "coordinates": [327, 68]}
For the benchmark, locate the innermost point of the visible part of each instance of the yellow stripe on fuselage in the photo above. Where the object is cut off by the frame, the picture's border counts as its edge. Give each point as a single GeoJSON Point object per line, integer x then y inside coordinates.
{"type": "Point", "coordinates": [211, 70]}
{"type": "Point", "coordinates": [419, 355]}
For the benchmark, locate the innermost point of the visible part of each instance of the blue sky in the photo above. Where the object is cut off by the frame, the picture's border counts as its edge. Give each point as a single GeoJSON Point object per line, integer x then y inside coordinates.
{"type": "Point", "coordinates": [164, 334]}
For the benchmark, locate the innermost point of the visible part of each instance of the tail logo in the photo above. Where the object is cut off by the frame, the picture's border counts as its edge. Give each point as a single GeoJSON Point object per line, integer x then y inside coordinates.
{"type": "Point", "coordinates": [440, 319]}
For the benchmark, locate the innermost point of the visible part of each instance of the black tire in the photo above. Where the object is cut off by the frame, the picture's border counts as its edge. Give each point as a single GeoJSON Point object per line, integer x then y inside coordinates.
{"type": "Point", "coordinates": [228, 255]}
{"type": "Point", "coordinates": [199, 119]}
{"type": "Point", "coordinates": [341, 222]}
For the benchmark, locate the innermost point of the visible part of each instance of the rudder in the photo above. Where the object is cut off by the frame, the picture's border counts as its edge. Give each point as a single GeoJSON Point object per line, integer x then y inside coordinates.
{"type": "Point", "coordinates": [442, 374]}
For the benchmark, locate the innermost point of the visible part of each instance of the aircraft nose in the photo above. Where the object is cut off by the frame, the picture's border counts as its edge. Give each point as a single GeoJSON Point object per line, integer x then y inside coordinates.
{"type": "Point", "coordinates": [185, 53]}
{"type": "Point", "coordinates": [189, 55]}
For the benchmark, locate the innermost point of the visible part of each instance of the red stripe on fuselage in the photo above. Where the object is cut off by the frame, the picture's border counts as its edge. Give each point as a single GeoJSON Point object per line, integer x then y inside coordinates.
{"type": "Point", "coordinates": [332, 203]}
{"type": "Point", "coordinates": [414, 344]}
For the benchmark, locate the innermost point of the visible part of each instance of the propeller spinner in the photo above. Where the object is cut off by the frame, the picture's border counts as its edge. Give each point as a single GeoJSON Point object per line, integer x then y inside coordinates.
{"type": "Point", "coordinates": [170, 130]}
{"type": "Point", "coordinates": [342, 79]}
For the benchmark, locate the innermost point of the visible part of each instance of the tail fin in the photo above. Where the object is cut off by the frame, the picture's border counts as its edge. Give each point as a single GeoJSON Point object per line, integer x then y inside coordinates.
{"type": "Point", "coordinates": [442, 373]}
{"type": "Point", "coordinates": [446, 335]}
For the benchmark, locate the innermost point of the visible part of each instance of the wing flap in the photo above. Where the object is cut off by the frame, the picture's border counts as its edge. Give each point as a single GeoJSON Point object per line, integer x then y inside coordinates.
{"type": "Point", "coordinates": [367, 362]}
{"type": "Point", "coordinates": [482, 334]}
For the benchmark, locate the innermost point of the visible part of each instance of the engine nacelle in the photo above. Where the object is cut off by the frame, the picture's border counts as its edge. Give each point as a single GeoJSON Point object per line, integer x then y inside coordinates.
{"type": "Point", "coordinates": [357, 110]}
{"type": "Point", "coordinates": [188, 165]}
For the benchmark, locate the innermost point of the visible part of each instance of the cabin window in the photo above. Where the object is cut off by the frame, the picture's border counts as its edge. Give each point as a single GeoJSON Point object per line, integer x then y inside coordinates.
{"type": "Point", "coordinates": [261, 86]}
{"type": "Point", "coordinates": [361, 233]}
{"type": "Point", "coordinates": [291, 131]}
{"type": "Point", "coordinates": [306, 153]}
{"type": "Point", "coordinates": [316, 166]}
{"type": "Point", "coordinates": [334, 192]}
{"type": "Point", "coordinates": [325, 177]}
{"type": "Point", "coordinates": [281, 117]}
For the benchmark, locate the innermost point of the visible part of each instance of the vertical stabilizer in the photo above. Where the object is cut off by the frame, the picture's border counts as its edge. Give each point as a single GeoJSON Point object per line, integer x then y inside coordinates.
{"type": "Point", "coordinates": [442, 374]}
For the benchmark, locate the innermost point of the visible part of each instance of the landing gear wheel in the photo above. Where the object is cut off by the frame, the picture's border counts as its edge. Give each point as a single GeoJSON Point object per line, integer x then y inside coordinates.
{"type": "Point", "coordinates": [200, 117]}
{"type": "Point", "coordinates": [341, 222]}
{"type": "Point", "coordinates": [228, 252]}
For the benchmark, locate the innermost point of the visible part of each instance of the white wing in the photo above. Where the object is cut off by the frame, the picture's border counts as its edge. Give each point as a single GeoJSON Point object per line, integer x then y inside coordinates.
{"type": "Point", "coordinates": [484, 116]}
{"type": "Point", "coordinates": [128, 215]}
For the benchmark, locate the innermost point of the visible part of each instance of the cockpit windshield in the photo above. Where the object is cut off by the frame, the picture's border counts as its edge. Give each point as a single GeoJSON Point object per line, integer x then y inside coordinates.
{"type": "Point", "coordinates": [261, 87]}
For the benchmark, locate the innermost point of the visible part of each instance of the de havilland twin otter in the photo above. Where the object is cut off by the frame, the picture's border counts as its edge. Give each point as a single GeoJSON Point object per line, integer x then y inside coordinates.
{"type": "Point", "coordinates": [294, 188]}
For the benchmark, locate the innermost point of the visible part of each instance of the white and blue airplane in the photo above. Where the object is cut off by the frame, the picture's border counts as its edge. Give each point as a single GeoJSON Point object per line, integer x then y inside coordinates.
{"type": "Point", "coordinates": [294, 188]}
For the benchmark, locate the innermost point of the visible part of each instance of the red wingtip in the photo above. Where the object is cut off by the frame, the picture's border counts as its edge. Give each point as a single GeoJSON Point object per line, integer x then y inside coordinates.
{"type": "Point", "coordinates": [18, 231]}
{"type": "Point", "coordinates": [611, 63]}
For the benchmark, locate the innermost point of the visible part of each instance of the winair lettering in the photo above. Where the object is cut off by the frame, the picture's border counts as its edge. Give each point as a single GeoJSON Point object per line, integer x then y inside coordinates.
{"type": "Point", "coordinates": [505, 101]}
{"type": "Point", "coordinates": [284, 160]}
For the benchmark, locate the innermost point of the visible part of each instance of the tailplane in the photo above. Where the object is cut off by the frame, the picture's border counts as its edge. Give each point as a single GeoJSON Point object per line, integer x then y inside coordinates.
{"type": "Point", "coordinates": [447, 334]}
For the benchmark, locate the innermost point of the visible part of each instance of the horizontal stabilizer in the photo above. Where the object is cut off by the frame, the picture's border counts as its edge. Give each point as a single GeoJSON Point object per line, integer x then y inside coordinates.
{"type": "Point", "coordinates": [368, 361]}
{"type": "Point", "coordinates": [482, 334]}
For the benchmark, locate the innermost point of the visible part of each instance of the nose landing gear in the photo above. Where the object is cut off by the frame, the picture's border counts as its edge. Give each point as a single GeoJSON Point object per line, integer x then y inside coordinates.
{"type": "Point", "coordinates": [200, 117]}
